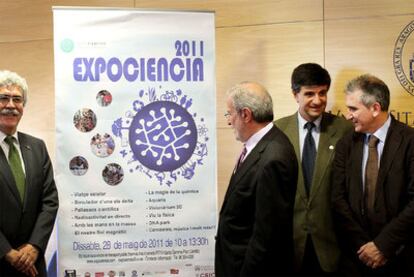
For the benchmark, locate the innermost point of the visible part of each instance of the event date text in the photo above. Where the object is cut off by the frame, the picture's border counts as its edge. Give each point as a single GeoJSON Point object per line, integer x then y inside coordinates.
{"type": "Point", "coordinates": [142, 244]}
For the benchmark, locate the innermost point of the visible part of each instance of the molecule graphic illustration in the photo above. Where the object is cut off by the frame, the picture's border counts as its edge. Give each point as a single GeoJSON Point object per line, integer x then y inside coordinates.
{"type": "Point", "coordinates": [163, 136]}
{"type": "Point", "coordinates": [160, 137]}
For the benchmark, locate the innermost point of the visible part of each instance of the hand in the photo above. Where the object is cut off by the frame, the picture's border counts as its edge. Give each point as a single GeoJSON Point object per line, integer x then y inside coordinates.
{"type": "Point", "coordinates": [28, 257]}
{"type": "Point", "coordinates": [32, 272]}
{"type": "Point", "coordinates": [371, 256]}
{"type": "Point", "coordinates": [13, 257]}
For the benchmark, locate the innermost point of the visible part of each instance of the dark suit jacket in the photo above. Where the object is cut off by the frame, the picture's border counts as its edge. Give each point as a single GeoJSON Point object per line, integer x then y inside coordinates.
{"type": "Point", "coordinates": [32, 221]}
{"type": "Point", "coordinates": [312, 213]}
{"type": "Point", "coordinates": [254, 234]}
{"type": "Point", "coordinates": [392, 229]}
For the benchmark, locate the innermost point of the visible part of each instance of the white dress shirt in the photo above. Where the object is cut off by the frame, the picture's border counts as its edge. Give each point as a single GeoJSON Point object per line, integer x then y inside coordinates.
{"type": "Point", "coordinates": [316, 132]}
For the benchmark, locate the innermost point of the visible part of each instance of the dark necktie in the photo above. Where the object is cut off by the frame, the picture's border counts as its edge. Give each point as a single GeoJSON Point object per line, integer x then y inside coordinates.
{"type": "Point", "coordinates": [308, 156]}
{"type": "Point", "coordinates": [240, 160]}
{"type": "Point", "coordinates": [16, 166]}
{"type": "Point", "coordinates": [371, 173]}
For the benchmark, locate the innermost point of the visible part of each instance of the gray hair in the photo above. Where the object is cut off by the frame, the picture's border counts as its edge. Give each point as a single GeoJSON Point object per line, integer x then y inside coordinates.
{"type": "Point", "coordinates": [373, 90]}
{"type": "Point", "coordinates": [9, 78]}
{"type": "Point", "coordinates": [257, 100]}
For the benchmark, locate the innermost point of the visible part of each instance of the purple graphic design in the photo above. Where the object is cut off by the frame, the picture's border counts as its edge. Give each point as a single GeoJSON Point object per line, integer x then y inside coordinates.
{"type": "Point", "coordinates": [163, 136]}
{"type": "Point", "coordinates": [160, 137]}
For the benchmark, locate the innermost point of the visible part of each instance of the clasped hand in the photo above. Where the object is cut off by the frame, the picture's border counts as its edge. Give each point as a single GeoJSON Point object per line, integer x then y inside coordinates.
{"type": "Point", "coordinates": [371, 256]}
{"type": "Point", "coordinates": [23, 259]}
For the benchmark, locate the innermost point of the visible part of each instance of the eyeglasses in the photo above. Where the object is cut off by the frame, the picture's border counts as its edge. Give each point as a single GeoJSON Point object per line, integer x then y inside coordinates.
{"type": "Point", "coordinates": [228, 114]}
{"type": "Point", "coordinates": [5, 99]}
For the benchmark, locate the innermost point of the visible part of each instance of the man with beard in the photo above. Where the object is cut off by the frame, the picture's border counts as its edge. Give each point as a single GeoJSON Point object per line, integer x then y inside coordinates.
{"type": "Point", "coordinates": [254, 235]}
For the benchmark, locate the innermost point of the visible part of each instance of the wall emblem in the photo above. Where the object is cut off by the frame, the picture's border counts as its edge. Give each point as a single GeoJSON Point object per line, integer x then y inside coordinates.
{"type": "Point", "coordinates": [403, 58]}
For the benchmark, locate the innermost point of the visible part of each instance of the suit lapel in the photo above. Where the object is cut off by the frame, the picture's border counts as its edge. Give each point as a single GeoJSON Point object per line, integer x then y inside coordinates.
{"type": "Point", "coordinates": [292, 132]}
{"type": "Point", "coordinates": [392, 143]}
{"type": "Point", "coordinates": [356, 166]}
{"type": "Point", "coordinates": [324, 155]}
{"type": "Point", "coordinates": [245, 167]}
{"type": "Point", "coordinates": [250, 160]}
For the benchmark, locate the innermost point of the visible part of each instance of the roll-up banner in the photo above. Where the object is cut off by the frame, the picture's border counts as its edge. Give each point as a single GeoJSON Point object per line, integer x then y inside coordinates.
{"type": "Point", "coordinates": [135, 142]}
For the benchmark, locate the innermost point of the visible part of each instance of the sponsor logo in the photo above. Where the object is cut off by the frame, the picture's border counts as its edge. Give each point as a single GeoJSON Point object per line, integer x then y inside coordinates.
{"type": "Point", "coordinates": [67, 45]}
{"type": "Point", "coordinates": [70, 273]}
{"type": "Point", "coordinates": [204, 271]}
{"type": "Point", "coordinates": [174, 271]}
{"type": "Point", "coordinates": [206, 274]}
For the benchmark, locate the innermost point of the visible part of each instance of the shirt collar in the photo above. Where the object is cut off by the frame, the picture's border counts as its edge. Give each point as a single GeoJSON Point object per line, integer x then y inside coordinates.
{"type": "Point", "coordinates": [3, 136]}
{"type": "Point", "coordinates": [302, 122]}
{"type": "Point", "coordinates": [255, 138]}
{"type": "Point", "coordinates": [381, 133]}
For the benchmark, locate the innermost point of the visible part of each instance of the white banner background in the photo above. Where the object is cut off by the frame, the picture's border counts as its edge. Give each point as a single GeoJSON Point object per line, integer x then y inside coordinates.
{"type": "Point", "coordinates": [136, 142]}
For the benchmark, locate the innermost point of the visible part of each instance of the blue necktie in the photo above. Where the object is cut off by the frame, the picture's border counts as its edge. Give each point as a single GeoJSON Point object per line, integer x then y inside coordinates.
{"type": "Point", "coordinates": [16, 166]}
{"type": "Point", "coordinates": [308, 156]}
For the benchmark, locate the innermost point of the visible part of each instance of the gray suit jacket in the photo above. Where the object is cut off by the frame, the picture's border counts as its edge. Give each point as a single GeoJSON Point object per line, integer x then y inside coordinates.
{"type": "Point", "coordinates": [312, 215]}
{"type": "Point", "coordinates": [31, 221]}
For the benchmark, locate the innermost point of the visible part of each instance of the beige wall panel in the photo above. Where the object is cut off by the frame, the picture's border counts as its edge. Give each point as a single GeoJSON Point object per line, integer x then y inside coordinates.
{"type": "Point", "coordinates": [336, 9]}
{"type": "Point", "coordinates": [49, 138]}
{"type": "Point", "coordinates": [246, 12]}
{"type": "Point", "coordinates": [34, 61]}
{"type": "Point", "coordinates": [95, 3]}
{"type": "Point", "coordinates": [267, 54]}
{"type": "Point", "coordinates": [358, 46]}
{"type": "Point", "coordinates": [22, 20]}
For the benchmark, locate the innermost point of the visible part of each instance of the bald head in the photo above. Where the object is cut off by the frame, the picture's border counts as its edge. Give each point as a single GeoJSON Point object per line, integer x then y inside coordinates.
{"type": "Point", "coordinates": [255, 97]}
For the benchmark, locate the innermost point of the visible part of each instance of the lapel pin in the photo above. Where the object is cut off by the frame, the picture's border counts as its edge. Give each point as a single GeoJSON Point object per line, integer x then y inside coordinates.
{"type": "Point", "coordinates": [331, 147]}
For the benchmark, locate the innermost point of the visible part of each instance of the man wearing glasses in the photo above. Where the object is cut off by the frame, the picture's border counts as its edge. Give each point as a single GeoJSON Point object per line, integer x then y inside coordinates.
{"type": "Point", "coordinates": [254, 236]}
{"type": "Point", "coordinates": [28, 195]}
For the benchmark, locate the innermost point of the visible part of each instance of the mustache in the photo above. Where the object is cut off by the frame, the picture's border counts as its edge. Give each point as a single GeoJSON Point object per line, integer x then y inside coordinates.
{"type": "Point", "coordinates": [7, 111]}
